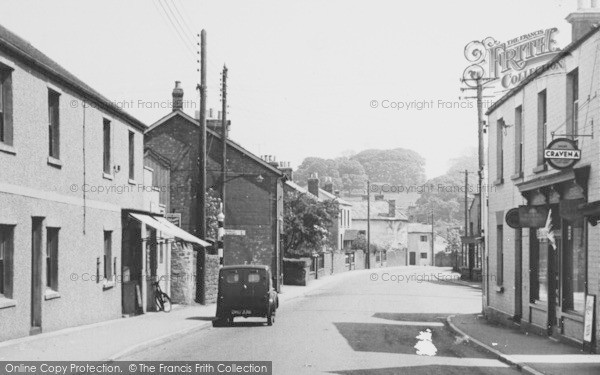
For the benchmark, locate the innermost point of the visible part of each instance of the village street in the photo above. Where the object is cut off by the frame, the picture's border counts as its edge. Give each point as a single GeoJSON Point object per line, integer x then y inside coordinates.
{"type": "Point", "coordinates": [366, 322]}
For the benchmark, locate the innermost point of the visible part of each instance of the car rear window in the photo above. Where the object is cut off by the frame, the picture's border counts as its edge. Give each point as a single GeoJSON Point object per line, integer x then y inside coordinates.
{"type": "Point", "coordinates": [232, 278]}
{"type": "Point", "coordinates": [253, 277]}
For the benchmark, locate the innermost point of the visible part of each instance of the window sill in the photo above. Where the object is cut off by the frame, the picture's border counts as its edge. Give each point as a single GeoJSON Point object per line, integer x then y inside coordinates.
{"type": "Point", "coordinates": [131, 181]}
{"type": "Point", "coordinates": [107, 176]}
{"type": "Point", "coordinates": [499, 181]}
{"type": "Point", "coordinates": [108, 284]}
{"type": "Point", "coordinates": [51, 294]}
{"type": "Point", "coordinates": [7, 302]}
{"type": "Point", "coordinates": [54, 162]}
{"type": "Point", "coordinates": [540, 168]}
{"type": "Point", "coordinates": [516, 176]}
{"type": "Point", "coordinates": [7, 149]}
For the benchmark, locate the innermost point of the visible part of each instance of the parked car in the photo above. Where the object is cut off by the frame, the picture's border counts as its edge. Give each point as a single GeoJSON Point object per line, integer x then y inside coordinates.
{"type": "Point", "coordinates": [247, 291]}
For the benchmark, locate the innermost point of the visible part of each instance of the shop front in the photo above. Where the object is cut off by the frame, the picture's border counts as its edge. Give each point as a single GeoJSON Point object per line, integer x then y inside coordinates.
{"type": "Point", "coordinates": [555, 227]}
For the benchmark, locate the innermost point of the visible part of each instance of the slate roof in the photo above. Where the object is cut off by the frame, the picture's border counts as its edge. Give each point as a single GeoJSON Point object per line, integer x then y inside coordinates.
{"type": "Point", "coordinates": [23, 51]}
{"type": "Point", "coordinates": [379, 211]}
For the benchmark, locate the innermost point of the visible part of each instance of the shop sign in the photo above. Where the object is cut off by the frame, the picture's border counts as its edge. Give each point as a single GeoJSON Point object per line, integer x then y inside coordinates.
{"type": "Point", "coordinates": [533, 216]}
{"type": "Point", "coordinates": [512, 218]}
{"type": "Point", "coordinates": [588, 318]}
{"type": "Point", "coordinates": [235, 232]}
{"type": "Point", "coordinates": [562, 153]}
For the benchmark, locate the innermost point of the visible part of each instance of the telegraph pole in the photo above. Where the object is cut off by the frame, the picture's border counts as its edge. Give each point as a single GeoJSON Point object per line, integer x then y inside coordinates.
{"type": "Point", "coordinates": [368, 255]}
{"type": "Point", "coordinates": [201, 191]}
{"type": "Point", "coordinates": [432, 241]}
{"type": "Point", "coordinates": [224, 133]}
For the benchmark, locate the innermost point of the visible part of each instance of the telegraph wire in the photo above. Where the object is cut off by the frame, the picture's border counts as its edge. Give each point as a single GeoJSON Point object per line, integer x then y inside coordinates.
{"type": "Point", "coordinates": [183, 32]}
{"type": "Point", "coordinates": [180, 37]}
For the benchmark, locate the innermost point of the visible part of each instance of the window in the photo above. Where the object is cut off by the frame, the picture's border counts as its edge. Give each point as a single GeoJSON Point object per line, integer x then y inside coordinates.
{"type": "Point", "coordinates": [253, 277]}
{"type": "Point", "coordinates": [542, 127]}
{"type": "Point", "coordinates": [573, 103]}
{"type": "Point", "coordinates": [499, 255]}
{"type": "Point", "coordinates": [6, 133]}
{"type": "Point", "coordinates": [518, 141]}
{"type": "Point", "coordinates": [53, 124]}
{"type": "Point", "coordinates": [106, 147]}
{"type": "Point", "coordinates": [538, 260]}
{"type": "Point", "coordinates": [232, 278]}
{"type": "Point", "coordinates": [499, 151]}
{"type": "Point", "coordinates": [107, 255]}
{"type": "Point", "coordinates": [131, 155]}
{"type": "Point", "coordinates": [423, 238]}
{"type": "Point", "coordinates": [574, 269]}
{"type": "Point", "coordinates": [423, 255]}
{"type": "Point", "coordinates": [6, 264]}
{"type": "Point", "coordinates": [52, 258]}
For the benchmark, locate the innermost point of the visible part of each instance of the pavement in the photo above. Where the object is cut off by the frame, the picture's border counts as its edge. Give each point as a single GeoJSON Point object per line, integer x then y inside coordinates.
{"type": "Point", "coordinates": [531, 353]}
{"type": "Point", "coordinates": [113, 339]}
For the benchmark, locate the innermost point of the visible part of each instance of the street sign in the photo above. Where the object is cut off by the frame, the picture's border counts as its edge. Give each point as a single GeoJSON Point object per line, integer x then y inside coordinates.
{"type": "Point", "coordinates": [235, 232]}
{"type": "Point", "coordinates": [174, 218]}
{"type": "Point", "coordinates": [562, 153]}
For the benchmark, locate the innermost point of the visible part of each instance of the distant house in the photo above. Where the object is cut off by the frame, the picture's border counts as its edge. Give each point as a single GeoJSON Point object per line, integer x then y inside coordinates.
{"type": "Point", "coordinates": [470, 259]}
{"type": "Point", "coordinates": [419, 245]}
{"type": "Point", "coordinates": [254, 192]}
{"type": "Point", "coordinates": [388, 226]}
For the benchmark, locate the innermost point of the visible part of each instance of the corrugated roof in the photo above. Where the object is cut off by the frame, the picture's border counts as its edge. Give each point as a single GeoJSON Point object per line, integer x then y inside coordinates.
{"type": "Point", "coordinates": [23, 51]}
{"type": "Point", "coordinates": [379, 211]}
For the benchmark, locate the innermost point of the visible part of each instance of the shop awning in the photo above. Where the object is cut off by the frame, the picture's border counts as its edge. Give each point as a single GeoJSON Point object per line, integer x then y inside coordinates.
{"type": "Point", "coordinates": [163, 225]}
{"type": "Point", "coordinates": [180, 233]}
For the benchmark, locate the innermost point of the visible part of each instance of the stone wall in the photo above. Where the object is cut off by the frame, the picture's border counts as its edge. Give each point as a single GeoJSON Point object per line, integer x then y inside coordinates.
{"type": "Point", "coordinates": [183, 269]}
{"type": "Point", "coordinates": [211, 278]}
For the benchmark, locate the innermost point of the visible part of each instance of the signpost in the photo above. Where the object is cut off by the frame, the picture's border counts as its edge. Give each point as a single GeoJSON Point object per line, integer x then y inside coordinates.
{"type": "Point", "coordinates": [562, 153]}
{"type": "Point", "coordinates": [174, 218]}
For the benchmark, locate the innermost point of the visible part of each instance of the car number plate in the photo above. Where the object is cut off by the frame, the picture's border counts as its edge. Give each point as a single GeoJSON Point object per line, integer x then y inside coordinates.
{"type": "Point", "coordinates": [242, 312]}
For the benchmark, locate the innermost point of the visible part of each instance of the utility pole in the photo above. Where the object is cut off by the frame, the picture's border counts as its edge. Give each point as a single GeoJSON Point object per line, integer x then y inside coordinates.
{"type": "Point", "coordinates": [221, 215]}
{"type": "Point", "coordinates": [201, 190]}
{"type": "Point", "coordinates": [465, 230]}
{"type": "Point", "coordinates": [432, 241]}
{"type": "Point", "coordinates": [368, 254]}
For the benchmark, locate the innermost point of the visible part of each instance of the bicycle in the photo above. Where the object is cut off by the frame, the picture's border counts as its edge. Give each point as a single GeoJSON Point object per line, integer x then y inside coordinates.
{"type": "Point", "coordinates": [161, 299]}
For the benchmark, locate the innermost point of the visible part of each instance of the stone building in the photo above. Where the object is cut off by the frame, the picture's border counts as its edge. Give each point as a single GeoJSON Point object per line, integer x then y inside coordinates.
{"type": "Point", "coordinates": [543, 240]}
{"type": "Point", "coordinates": [254, 191]}
{"type": "Point", "coordinates": [71, 164]}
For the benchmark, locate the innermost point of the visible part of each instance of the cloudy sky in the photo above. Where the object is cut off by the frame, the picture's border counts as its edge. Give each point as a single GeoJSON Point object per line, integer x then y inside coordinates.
{"type": "Point", "coordinates": [304, 76]}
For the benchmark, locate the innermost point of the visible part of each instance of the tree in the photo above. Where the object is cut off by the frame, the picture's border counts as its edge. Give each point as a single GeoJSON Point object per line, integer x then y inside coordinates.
{"type": "Point", "coordinates": [306, 223]}
{"type": "Point", "coordinates": [213, 207]}
{"type": "Point", "coordinates": [398, 166]}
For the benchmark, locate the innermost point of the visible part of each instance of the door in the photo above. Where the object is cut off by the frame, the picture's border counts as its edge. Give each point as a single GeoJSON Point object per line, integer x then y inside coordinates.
{"type": "Point", "coordinates": [554, 266]}
{"type": "Point", "coordinates": [36, 275]}
{"type": "Point", "coordinates": [518, 275]}
{"type": "Point", "coordinates": [413, 258]}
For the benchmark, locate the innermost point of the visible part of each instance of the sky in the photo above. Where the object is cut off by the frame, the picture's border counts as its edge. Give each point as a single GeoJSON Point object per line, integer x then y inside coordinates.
{"type": "Point", "coordinates": [305, 78]}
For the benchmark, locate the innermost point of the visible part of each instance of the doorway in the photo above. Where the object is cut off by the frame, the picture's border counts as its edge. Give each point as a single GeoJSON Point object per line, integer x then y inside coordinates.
{"type": "Point", "coordinates": [36, 275]}
{"type": "Point", "coordinates": [412, 258]}
{"type": "Point", "coordinates": [518, 275]}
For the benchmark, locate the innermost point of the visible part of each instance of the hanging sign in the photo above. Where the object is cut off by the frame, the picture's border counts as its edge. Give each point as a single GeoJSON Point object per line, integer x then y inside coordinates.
{"type": "Point", "coordinates": [533, 216]}
{"type": "Point", "coordinates": [512, 218]}
{"type": "Point", "coordinates": [562, 153]}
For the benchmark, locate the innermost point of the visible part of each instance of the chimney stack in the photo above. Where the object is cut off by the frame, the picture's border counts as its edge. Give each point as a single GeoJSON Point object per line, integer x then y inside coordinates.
{"type": "Point", "coordinates": [177, 97]}
{"type": "Point", "coordinates": [285, 167]}
{"type": "Point", "coordinates": [585, 19]}
{"type": "Point", "coordinates": [328, 185]}
{"type": "Point", "coordinates": [313, 184]}
{"type": "Point", "coordinates": [392, 208]}
{"type": "Point", "coordinates": [273, 161]}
